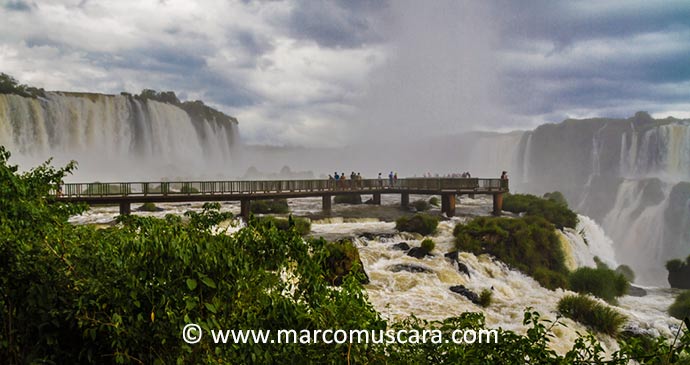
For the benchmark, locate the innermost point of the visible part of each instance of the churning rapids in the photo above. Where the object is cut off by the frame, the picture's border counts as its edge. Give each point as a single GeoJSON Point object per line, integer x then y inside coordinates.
{"type": "Point", "coordinates": [426, 295]}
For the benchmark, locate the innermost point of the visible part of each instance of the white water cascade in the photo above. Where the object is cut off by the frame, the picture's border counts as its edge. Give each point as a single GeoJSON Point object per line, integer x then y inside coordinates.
{"type": "Point", "coordinates": [114, 136]}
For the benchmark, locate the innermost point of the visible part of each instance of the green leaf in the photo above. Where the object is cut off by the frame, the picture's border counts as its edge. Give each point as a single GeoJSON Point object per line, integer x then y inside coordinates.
{"type": "Point", "coordinates": [191, 284]}
{"type": "Point", "coordinates": [210, 307]}
{"type": "Point", "coordinates": [208, 282]}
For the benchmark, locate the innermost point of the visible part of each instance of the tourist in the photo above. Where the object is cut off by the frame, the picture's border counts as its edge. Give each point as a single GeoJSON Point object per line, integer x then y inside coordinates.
{"type": "Point", "coordinates": [504, 175]}
{"type": "Point", "coordinates": [395, 179]}
{"type": "Point", "coordinates": [390, 179]}
{"type": "Point", "coordinates": [380, 180]}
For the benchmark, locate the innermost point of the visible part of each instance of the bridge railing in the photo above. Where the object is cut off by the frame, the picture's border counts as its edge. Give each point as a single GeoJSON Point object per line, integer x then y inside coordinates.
{"type": "Point", "coordinates": [275, 186]}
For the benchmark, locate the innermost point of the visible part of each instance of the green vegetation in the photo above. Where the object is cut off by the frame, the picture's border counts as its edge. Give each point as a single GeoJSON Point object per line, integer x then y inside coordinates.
{"type": "Point", "coordinates": [434, 201]}
{"type": "Point", "coordinates": [9, 85]}
{"type": "Point", "coordinates": [528, 244]}
{"type": "Point", "coordinates": [589, 312]}
{"type": "Point", "coordinates": [421, 223]}
{"type": "Point", "coordinates": [557, 197]}
{"type": "Point", "coordinates": [348, 199]}
{"type": "Point", "coordinates": [148, 207]}
{"type": "Point", "coordinates": [679, 273]}
{"type": "Point", "coordinates": [421, 205]}
{"type": "Point", "coordinates": [342, 259]}
{"type": "Point", "coordinates": [551, 210]}
{"type": "Point", "coordinates": [269, 206]}
{"type": "Point", "coordinates": [601, 282]}
{"type": "Point", "coordinates": [75, 294]}
{"type": "Point", "coordinates": [428, 245]}
{"type": "Point", "coordinates": [300, 225]}
{"type": "Point", "coordinates": [485, 298]}
{"type": "Point", "coordinates": [627, 272]}
{"type": "Point", "coordinates": [681, 306]}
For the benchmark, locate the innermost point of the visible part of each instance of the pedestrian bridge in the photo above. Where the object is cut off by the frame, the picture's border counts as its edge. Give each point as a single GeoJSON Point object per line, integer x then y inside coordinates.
{"type": "Point", "coordinates": [126, 193]}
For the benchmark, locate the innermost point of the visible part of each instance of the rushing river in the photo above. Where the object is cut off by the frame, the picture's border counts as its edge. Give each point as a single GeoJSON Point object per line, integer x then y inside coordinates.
{"type": "Point", "coordinates": [426, 295]}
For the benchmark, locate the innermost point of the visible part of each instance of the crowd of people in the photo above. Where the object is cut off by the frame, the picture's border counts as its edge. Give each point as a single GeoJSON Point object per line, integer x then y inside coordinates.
{"type": "Point", "coordinates": [341, 181]}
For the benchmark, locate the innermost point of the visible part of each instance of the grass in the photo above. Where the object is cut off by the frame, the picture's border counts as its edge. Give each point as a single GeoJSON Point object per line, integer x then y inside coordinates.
{"type": "Point", "coordinates": [301, 225]}
{"type": "Point", "coordinates": [148, 207]}
{"type": "Point", "coordinates": [485, 298]}
{"type": "Point", "coordinates": [421, 205]}
{"type": "Point", "coordinates": [428, 245]}
{"type": "Point", "coordinates": [555, 212]}
{"type": "Point", "coordinates": [599, 317]}
{"type": "Point", "coordinates": [421, 223]}
{"type": "Point", "coordinates": [527, 244]}
{"type": "Point", "coordinates": [601, 282]}
{"type": "Point", "coordinates": [681, 306]}
{"type": "Point", "coordinates": [348, 199]}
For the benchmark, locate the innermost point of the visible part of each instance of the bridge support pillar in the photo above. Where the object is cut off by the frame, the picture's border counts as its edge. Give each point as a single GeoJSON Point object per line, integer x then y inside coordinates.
{"type": "Point", "coordinates": [376, 198]}
{"type": "Point", "coordinates": [498, 203]}
{"type": "Point", "coordinates": [404, 200]}
{"type": "Point", "coordinates": [244, 208]}
{"type": "Point", "coordinates": [326, 203]}
{"type": "Point", "coordinates": [125, 208]}
{"type": "Point", "coordinates": [448, 204]}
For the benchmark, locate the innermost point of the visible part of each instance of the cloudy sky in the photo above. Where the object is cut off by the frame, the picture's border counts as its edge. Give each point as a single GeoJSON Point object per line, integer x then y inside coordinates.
{"type": "Point", "coordinates": [321, 73]}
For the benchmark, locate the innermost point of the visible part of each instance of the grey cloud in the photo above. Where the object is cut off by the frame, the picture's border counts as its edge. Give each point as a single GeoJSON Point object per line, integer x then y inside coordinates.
{"type": "Point", "coordinates": [19, 5]}
{"type": "Point", "coordinates": [337, 24]}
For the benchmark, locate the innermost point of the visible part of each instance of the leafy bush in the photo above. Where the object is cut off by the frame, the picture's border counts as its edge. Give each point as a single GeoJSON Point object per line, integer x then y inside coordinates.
{"type": "Point", "coordinates": [601, 282]}
{"type": "Point", "coordinates": [428, 245]}
{"type": "Point", "coordinates": [9, 85]}
{"type": "Point", "coordinates": [681, 306]}
{"type": "Point", "coordinates": [554, 212]}
{"type": "Point", "coordinates": [421, 205]}
{"type": "Point", "coordinates": [77, 294]}
{"type": "Point", "coordinates": [188, 189]}
{"type": "Point", "coordinates": [679, 273]}
{"type": "Point", "coordinates": [485, 298]}
{"type": "Point", "coordinates": [301, 225]}
{"type": "Point", "coordinates": [269, 206]}
{"type": "Point", "coordinates": [348, 199]}
{"type": "Point", "coordinates": [434, 201]}
{"type": "Point", "coordinates": [589, 312]}
{"type": "Point", "coordinates": [528, 244]}
{"type": "Point", "coordinates": [420, 223]}
{"type": "Point", "coordinates": [148, 207]}
{"type": "Point", "coordinates": [627, 272]}
{"type": "Point", "coordinates": [342, 259]}
{"type": "Point", "coordinates": [556, 197]}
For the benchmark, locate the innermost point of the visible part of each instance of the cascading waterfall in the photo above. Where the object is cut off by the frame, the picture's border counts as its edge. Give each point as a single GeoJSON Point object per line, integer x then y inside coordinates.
{"type": "Point", "coordinates": [115, 136]}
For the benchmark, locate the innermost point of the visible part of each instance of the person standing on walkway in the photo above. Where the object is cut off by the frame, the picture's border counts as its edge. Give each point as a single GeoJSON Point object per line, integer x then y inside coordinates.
{"type": "Point", "coordinates": [390, 179]}
{"type": "Point", "coordinates": [395, 179]}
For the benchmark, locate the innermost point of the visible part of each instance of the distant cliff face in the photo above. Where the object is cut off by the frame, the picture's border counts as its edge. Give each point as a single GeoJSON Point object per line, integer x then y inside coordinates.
{"type": "Point", "coordinates": [631, 175]}
{"type": "Point", "coordinates": [118, 136]}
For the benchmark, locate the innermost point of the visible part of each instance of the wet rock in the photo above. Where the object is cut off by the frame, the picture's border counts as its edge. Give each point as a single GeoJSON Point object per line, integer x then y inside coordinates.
{"type": "Point", "coordinates": [453, 256]}
{"type": "Point", "coordinates": [460, 289]}
{"type": "Point", "coordinates": [417, 252]}
{"type": "Point", "coordinates": [372, 235]}
{"type": "Point", "coordinates": [410, 268]}
{"type": "Point", "coordinates": [636, 291]}
{"type": "Point", "coordinates": [402, 246]}
{"type": "Point", "coordinates": [464, 269]}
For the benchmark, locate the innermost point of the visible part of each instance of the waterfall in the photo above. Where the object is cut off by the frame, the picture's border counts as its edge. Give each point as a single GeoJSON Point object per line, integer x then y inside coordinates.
{"type": "Point", "coordinates": [115, 137]}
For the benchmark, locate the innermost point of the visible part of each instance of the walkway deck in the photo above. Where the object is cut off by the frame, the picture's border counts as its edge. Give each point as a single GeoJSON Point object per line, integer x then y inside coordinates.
{"type": "Point", "coordinates": [126, 193]}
